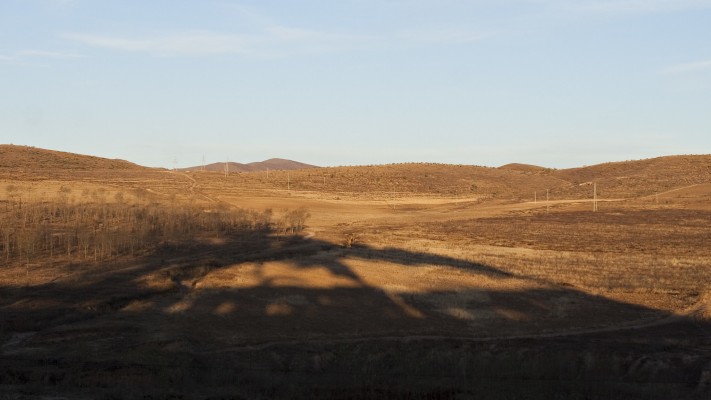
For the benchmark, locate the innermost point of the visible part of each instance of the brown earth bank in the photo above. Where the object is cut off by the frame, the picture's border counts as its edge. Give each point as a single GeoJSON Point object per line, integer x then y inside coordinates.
{"type": "Point", "coordinates": [407, 281]}
{"type": "Point", "coordinates": [653, 364]}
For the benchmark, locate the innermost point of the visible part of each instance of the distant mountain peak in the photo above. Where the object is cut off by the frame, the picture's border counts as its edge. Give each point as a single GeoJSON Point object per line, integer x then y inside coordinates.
{"type": "Point", "coordinates": [270, 164]}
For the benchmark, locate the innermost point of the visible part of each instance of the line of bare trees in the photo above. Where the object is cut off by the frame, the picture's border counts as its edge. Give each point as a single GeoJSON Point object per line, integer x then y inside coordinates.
{"type": "Point", "coordinates": [293, 221]}
{"type": "Point", "coordinates": [34, 230]}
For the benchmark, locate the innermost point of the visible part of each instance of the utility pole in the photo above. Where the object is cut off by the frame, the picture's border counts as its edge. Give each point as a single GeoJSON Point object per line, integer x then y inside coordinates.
{"type": "Point", "coordinates": [595, 197]}
{"type": "Point", "coordinates": [227, 168]}
{"type": "Point", "coordinates": [288, 181]}
{"type": "Point", "coordinates": [548, 205]}
{"type": "Point", "coordinates": [535, 197]}
{"type": "Point", "coordinates": [203, 163]}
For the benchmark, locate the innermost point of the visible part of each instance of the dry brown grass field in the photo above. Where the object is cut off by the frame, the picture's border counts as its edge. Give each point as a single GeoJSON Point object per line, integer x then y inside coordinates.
{"type": "Point", "coordinates": [407, 281]}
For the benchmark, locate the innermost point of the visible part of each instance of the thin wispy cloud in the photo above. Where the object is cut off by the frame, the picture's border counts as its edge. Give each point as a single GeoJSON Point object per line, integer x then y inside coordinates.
{"type": "Point", "coordinates": [259, 36]}
{"type": "Point", "coordinates": [686, 68]}
{"type": "Point", "coordinates": [18, 62]}
{"type": "Point", "coordinates": [272, 41]}
{"type": "Point", "coordinates": [192, 43]}
{"type": "Point", "coordinates": [29, 57]}
{"type": "Point", "coordinates": [47, 54]}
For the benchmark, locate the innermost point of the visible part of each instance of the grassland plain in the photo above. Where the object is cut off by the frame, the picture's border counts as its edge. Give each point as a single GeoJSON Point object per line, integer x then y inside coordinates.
{"type": "Point", "coordinates": [408, 281]}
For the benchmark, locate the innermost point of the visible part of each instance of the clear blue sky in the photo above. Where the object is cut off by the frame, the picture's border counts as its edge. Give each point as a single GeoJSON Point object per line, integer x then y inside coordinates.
{"type": "Point", "coordinates": [557, 83]}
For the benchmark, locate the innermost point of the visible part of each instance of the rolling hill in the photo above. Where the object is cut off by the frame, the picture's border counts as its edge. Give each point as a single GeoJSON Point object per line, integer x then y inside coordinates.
{"type": "Point", "coordinates": [640, 177]}
{"type": "Point", "coordinates": [20, 163]}
{"type": "Point", "coordinates": [273, 164]}
{"type": "Point", "coordinates": [511, 182]}
{"type": "Point", "coordinates": [28, 158]}
{"type": "Point", "coordinates": [527, 168]}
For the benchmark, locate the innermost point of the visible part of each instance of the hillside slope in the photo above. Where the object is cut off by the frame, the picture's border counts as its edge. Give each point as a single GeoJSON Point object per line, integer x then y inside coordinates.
{"type": "Point", "coordinates": [28, 158]}
{"type": "Point", "coordinates": [639, 177]}
{"type": "Point", "coordinates": [25, 163]}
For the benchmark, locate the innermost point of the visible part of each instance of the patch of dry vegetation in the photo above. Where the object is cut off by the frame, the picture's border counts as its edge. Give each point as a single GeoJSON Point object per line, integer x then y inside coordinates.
{"type": "Point", "coordinates": [662, 232]}
{"type": "Point", "coordinates": [658, 258]}
{"type": "Point", "coordinates": [59, 230]}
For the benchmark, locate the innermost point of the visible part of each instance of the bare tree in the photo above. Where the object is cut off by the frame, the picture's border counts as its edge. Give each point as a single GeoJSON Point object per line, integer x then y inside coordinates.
{"type": "Point", "coordinates": [44, 230]}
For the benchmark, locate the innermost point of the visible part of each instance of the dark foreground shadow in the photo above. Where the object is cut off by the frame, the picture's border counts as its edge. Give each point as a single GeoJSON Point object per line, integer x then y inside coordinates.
{"type": "Point", "coordinates": [177, 323]}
